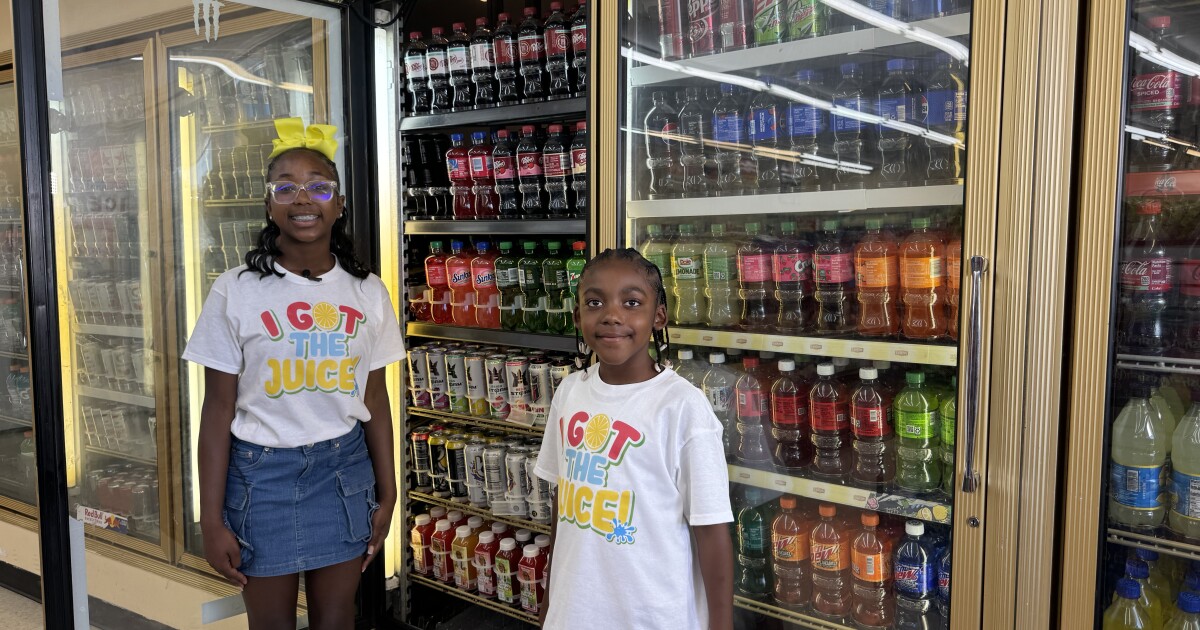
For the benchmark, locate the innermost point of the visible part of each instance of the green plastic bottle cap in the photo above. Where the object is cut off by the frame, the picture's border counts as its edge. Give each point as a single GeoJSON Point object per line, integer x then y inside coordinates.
{"type": "Point", "coordinates": [530, 246]}
{"type": "Point", "coordinates": [435, 244]}
{"type": "Point", "coordinates": [829, 225]}
{"type": "Point", "coordinates": [752, 228]}
{"type": "Point", "coordinates": [920, 223]}
{"type": "Point", "coordinates": [788, 226]}
{"type": "Point", "coordinates": [654, 229]}
{"type": "Point", "coordinates": [686, 228]}
{"type": "Point", "coordinates": [914, 378]}
{"type": "Point", "coordinates": [718, 229]}
{"type": "Point", "coordinates": [505, 244]}
{"type": "Point", "coordinates": [553, 245]}
{"type": "Point", "coordinates": [874, 224]}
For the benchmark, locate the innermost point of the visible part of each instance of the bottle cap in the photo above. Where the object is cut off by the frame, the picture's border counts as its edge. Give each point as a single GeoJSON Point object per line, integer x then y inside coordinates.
{"type": "Point", "coordinates": [454, 516]}
{"type": "Point", "coordinates": [486, 538]}
{"type": "Point", "coordinates": [1150, 206]}
{"type": "Point", "coordinates": [437, 30]}
{"type": "Point", "coordinates": [502, 134]}
{"type": "Point", "coordinates": [455, 245]}
{"type": "Point", "coordinates": [475, 522]}
{"type": "Point", "coordinates": [659, 96]}
{"type": "Point", "coordinates": [840, 362]}
{"type": "Point", "coordinates": [868, 373]}
{"type": "Point", "coordinates": [1145, 554]}
{"type": "Point", "coordinates": [581, 125]}
{"type": "Point", "coordinates": [1137, 569]}
{"type": "Point", "coordinates": [437, 512]}
{"type": "Point", "coordinates": [504, 17]}
{"type": "Point", "coordinates": [531, 551]}
{"type": "Point", "coordinates": [786, 365]}
{"type": "Point", "coordinates": [787, 226]}
{"type": "Point", "coordinates": [752, 228]}
{"type": "Point", "coordinates": [422, 520]}
{"type": "Point", "coordinates": [1189, 602]}
{"type": "Point", "coordinates": [825, 369]}
{"type": "Point", "coordinates": [806, 76]}
{"type": "Point", "coordinates": [827, 510]}
{"type": "Point", "coordinates": [529, 11]}
{"type": "Point", "coordinates": [870, 519]}
{"type": "Point", "coordinates": [480, 21]}
{"type": "Point", "coordinates": [554, 129]}
{"type": "Point", "coordinates": [507, 544]}
{"type": "Point", "coordinates": [920, 223]}
{"type": "Point", "coordinates": [553, 245]}
{"type": "Point", "coordinates": [524, 535]}
{"type": "Point", "coordinates": [787, 502]}
{"type": "Point", "coordinates": [726, 88]}
{"type": "Point", "coordinates": [687, 228]}
{"type": "Point", "coordinates": [717, 229]}
{"type": "Point", "coordinates": [505, 244]}
{"type": "Point", "coordinates": [443, 525]}
{"type": "Point", "coordinates": [914, 378]}
{"type": "Point", "coordinates": [579, 246]}
{"type": "Point", "coordinates": [914, 528]}
{"type": "Point", "coordinates": [499, 528]}
{"type": "Point", "coordinates": [542, 540]}
{"type": "Point", "coordinates": [1191, 581]}
{"type": "Point", "coordinates": [435, 244]}
{"type": "Point", "coordinates": [478, 136]}
{"type": "Point", "coordinates": [716, 357]}
{"type": "Point", "coordinates": [482, 246]}
{"type": "Point", "coordinates": [458, 26]}
{"type": "Point", "coordinates": [1162, 21]}
{"type": "Point", "coordinates": [895, 64]}
{"type": "Point", "coordinates": [556, 6]}
{"type": "Point", "coordinates": [527, 130]}
{"type": "Point", "coordinates": [849, 68]}
{"type": "Point", "coordinates": [1128, 589]}
{"type": "Point", "coordinates": [829, 225]}
{"type": "Point", "coordinates": [414, 36]}
{"type": "Point", "coordinates": [529, 246]}
{"type": "Point", "coordinates": [456, 137]}
{"type": "Point", "coordinates": [874, 224]}
{"type": "Point", "coordinates": [749, 362]}
{"type": "Point", "coordinates": [685, 355]}
{"type": "Point", "coordinates": [463, 531]}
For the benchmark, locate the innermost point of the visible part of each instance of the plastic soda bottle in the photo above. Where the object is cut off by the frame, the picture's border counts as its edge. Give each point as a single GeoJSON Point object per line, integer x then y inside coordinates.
{"type": "Point", "coordinates": [532, 55]}
{"type": "Point", "coordinates": [877, 274]}
{"type": "Point", "coordinates": [1187, 613]}
{"type": "Point", "coordinates": [508, 590]}
{"type": "Point", "coordinates": [757, 282]}
{"type": "Point", "coordinates": [1184, 517]}
{"type": "Point", "coordinates": [871, 565]}
{"type": "Point", "coordinates": [946, 98]}
{"type": "Point", "coordinates": [483, 62]}
{"type": "Point", "coordinates": [530, 174]}
{"type": "Point", "coordinates": [574, 267]}
{"type": "Point", "coordinates": [508, 283]}
{"type": "Point", "coordinates": [754, 546]}
{"type": "Point", "coordinates": [1147, 278]}
{"type": "Point", "coordinates": [458, 56]}
{"type": "Point", "coordinates": [504, 46]}
{"type": "Point", "coordinates": [458, 169]}
{"type": "Point", "coordinates": [657, 249]}
{"type": "Point", "coordinates": [438, 64]}
{"type": "Point", "coordinates": [915, 579]}
{"type": "Point", "coordinates": [662, 150]}
{"type": "Point", "coordinates": [554, 279]}
{"type": "Point", "coordinates": [752, 414]}
{"type": "Point", "coordinates": [462, 552]}
{"type": "Point", "coordinates": [504, 170]}
{"type": "Point", "coordinates": [791, 552]}
{"type": "Point", "coordinates": [483, 281]}
{"type": "Point", "coordinates": [915, 413]}
{"type": "Point", "coordinates": [1137, 470]}
{"type": "Point", "coordinates": [829, 413]}
{"type": "Point", "coordinates": [483, 183]}
{"type": "Point", "coordinates": [849, 134]}
{"type": "Point", "coordinates": [921, 283]}
{"type": "Point", "coordinates": [949, 415]}
{"type": "Point", "coordinates": [1126, 612]}
{"type": "Point", "coordinates": [556, 168]}
{"type": "Point", "coordinates": [762, 122]}
{"type": "Point", "coordinates": [694, 123]}
{"type": "Point", "coordinates": [533, 308]}
{"type": "Point", "coordinates": [579, 169]}
{"type": "Point", "coordinates": [895, 102]}
{"type": "Point", "coordinates": [874, 455]}
{"type": "Point", "coordinates": [729, 130]}
{"type": "Point", "coordinates": [831, 566]}
{"type": "Point", "coordinates": [417, 73]}
{"type": "Point", "coordinates": [791, 264]}
{"type": "Point", "coordinates": [789, 417]}
{"type": "Point", "coordinates": [687, 267]}
{"type": "Point", "coordinates": [944, 585]}
{"type": "Point", "coordinates": [833, 268]}
{"type": "Point", "coordinates": [458, 276]}
{"type": "Point", "coordinates": [688, 368]}
{"type": "Point", "coordinates": [718, 386]}
{"type": "Point", "coordinates": [720, 280]}
{"type": "Point", "coordinates": [435, 277]}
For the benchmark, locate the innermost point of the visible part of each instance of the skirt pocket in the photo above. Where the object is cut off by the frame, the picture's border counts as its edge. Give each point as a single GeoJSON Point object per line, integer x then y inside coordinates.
{"type": "Point", "coordinates": [237, 517]}
{"type": "Point", "coordinates": [356, 486]}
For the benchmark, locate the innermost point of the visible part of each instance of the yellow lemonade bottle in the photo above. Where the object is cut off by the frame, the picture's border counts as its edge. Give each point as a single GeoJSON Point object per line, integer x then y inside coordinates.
{"type": "Point", "coordinates": [1127, 613]}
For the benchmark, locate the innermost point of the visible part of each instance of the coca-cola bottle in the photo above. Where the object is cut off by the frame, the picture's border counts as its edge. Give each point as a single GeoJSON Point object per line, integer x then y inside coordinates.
{"type": "Point", "coordinates": [579, 168]}
{"type": "Point", "coordinates": [438, 64]}
{"type": "Point", "coordinates": [417, 73]}
{"type": "Point", "coordinates": [483, 62]}
{"type": "Point", "coordinates": [1147, 274]}
{"type": "Point", "coordinates": [458, 167]}
{"type": "Point", "coordinates": [504, 168]}
{"type": "Point", "coordinates": [579, 47]}
{"type": "Point", "coordinates": [458, 53]}
{"type": "Point", "coordinates": [1156, 101]}
{"type": "Point", "coordinates": [694, 126]}
{"type": "Point", "coordinates": [556, 167]}
{"type": "Point", "coordinates": [504, 47]}
{"type": "Point", "coordinates": [529, 173]}
{"type": "Point", "coordinates": [557, 35]}
{"type": "Point", "coordinates": [532, 56]}
{"type": "Point", "coordinates": [482, 178]}
{"type": "Point", "coordinates": [662, 123]}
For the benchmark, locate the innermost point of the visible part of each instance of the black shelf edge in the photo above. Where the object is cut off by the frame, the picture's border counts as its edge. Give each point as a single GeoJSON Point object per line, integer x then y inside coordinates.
{"type": "Point", "coordinates": [499, 226]}
{"type": "Point", "coordinates": [515, 114]}
{"type": "Point", "coordinates": [482, 423]}
{"type": "Point", "coordinates": [783, 614]}
{"type": "Point", "coordinates": [559, 343]}
{"type": "Point", "coordinates": [490, 604]}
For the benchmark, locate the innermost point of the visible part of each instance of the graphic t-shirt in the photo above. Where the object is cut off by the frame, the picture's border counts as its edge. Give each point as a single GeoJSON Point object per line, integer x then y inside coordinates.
{"type": "Point", "coordinates": [302, 350]}
{"type": "Point", "coordinates": [636, 465]}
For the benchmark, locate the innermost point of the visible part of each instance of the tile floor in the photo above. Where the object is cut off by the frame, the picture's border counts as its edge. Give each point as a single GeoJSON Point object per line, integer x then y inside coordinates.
{"type": "Point", "coordinates": [20, 612]}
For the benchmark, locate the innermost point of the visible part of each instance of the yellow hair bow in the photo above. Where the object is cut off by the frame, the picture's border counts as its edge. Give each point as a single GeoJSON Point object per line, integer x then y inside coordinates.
{"type": "Point", "coordinates": [294, 135]}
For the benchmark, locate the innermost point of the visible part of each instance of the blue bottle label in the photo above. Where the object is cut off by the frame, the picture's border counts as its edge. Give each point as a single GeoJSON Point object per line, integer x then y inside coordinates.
{"type": "Point", "coordinates": [841, 123]}
{"type": "Point", "coordinates": [805, 120]}
{"type": "Point", "coordinates": [946, 106]}
{"type": "Point", "coordinates": [1185, 491]}
{"type": "Point", "coordinates": [729, 127]}
{"type": "Point", "coordinates": [944, 581]}
{"type": "Point", "coordinates": [1138, 487]}
{"type": "Point", "coordinates": [897, 108]}
{"type": "Point", "coordinates": [890, 8]}
{"type": "Point", "coordinates": [762, 124]}
{"type": "Point", "coordinates": [914, 579]}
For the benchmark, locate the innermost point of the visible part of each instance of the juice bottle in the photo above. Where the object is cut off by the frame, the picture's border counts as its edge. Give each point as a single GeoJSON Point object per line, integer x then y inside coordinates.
{"type": "Point", "coordinates": [874, 456]}
{"type": "Point", "coordinates": [872, 605]}
{"type": "Point", "coordinates": [791, 552]}
{"type": "Point", "coordinates": [687, 268]}
{"type": "Point", "coordinates": [507, 589]}
{"type": "Point", "coordinates": [1126, 612]}
{"type": "Point", "coordinates": [791, 263]}
{"type": "Point", "coordinates": [458, 168]}
{"type": "Point", "coordinates": [422, 537]}
{"type": "Point", "coordinates": [756, 280]}
{"type": "Point", "coordinates": [789, 417]}
{"type": "Point", "coordinates": [922, 290]}
{"type": "Point", "coordinates": [1184, 517]}
{"type": "Point", "coordinates": [752, 416]}
{"type": "Point", "coordinates": [529, 575]}
{"type": "Point", "coordinates": [949, 416]}
{"type": "Point", "coordinates": [833, 269]}
{"type": "Point", "coordinates": [1187, 613]}
{"type": "Point", "coordinates": [829, 413]}
{"type": "Point", "coordinates": [1137, 467]}
{"type": "Point", "coordinates": [483, 281]}
{"type": "Point", "coordinates": [718, 386]}
{"type": "Point", "coordinates": [657, 249]}
{"type": "Point", "coordinates": [458, 276]}
{"type": "Point", "coordinates": [443, 564]}
{"type": "Point", "coordinates": [554, 281]}
{"type": "Point", "coordinates": [529, 274]}
{"type": "Point", "coordinates": [877, 273]}
{"type": "Point", "coordinates": [720, 280]}
{"type": "Point", "coordinates": [752, 579]}
{"type": "Point", "coordinates": [509, 285]}
{"type": "Point", "coordinates": [915, 414]}
{"type": "Point", "coordinates": [435, 277]}
{"type": "Point", "coordinates": [462, 552]}
{"type": "Point", "coordinates": [953, 283]}
{"type": "Point", "coordinates": [1156, 608]}
{"type": "Point", "coordinates": [830, 566]}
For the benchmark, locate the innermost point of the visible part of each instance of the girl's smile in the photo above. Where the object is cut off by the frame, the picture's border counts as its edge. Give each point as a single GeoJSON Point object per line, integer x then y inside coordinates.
{"type": "Point", "coordinates": [617, 314]}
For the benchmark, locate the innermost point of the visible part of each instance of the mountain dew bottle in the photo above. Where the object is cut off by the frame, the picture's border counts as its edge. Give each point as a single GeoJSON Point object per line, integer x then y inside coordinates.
{"type": "Point", "coordinates": [949, 412]}
{"type": "Point", "coordinates": [529, 274]}
{"type": "Point", "coordinates": [554, 281]}
{"type": "Point", "coordinates": [508, 283]}
{"type": "Point", "coordinates": [575, 266]}
{"type": "Point", "coordinates": [917, 436]}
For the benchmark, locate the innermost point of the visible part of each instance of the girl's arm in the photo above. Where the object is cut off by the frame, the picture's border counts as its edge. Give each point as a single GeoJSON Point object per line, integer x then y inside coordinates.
{"type": "Point", "coordinates": [216, 416]}
{"type": "Point", "coordinates": [545, 605]}
{"type": "Point", "coordinates": [716, 567]}
{"type": "Point", "coordinates": [378, 434]}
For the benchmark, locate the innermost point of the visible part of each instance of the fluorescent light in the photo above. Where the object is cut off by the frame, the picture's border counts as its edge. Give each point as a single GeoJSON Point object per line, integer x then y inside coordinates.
{"type": "Point", "coordinates": [235, 70]}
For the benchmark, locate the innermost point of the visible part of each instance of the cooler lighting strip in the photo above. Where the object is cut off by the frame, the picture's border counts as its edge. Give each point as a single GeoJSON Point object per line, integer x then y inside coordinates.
{"type": "Point", "coordinates": [892, 25]}
{"type": "Point", "coordinates": [1150, 51]}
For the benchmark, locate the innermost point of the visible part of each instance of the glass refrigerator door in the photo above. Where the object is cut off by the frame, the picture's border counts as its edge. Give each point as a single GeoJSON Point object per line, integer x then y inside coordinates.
{"type": "Point", "coordinates": [796, 170]}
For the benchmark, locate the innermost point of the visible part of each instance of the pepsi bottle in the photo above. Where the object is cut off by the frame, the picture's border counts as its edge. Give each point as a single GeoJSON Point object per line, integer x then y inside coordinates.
{"type": "Point", "coordinates": [806, 124]}
{"type": "Point", "coordinates": [946, 103]}
{"type": "Point", "coordinates": [764, 134]}
{"type": "Point", "coordinates": [695, 129]}
{"type": "Point", "coordinates": [729, 130]}
{"type": "Point", "coordinates": [849, 134]}
{"type": "Point", "coordinates": [894, 103]}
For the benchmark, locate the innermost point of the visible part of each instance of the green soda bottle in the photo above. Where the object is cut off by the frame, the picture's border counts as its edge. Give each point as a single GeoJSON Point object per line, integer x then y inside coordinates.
{"type": "Point", "coordinates": [917, 436]}
{"type": "Point", "coordinates": [529, 272]}
{"type": "Point", "coordinates": [574, 270]}
{"type": "Point", "coordinates": [554, 282]}
{"type": "Point", "coordinates": [949, 411]}
{"type": "Point", "coordinates": [657, 249]}
{"type": "Point", "coordinates": [752, 578]}
{"type": "Point", "coordinates": [509, 284]}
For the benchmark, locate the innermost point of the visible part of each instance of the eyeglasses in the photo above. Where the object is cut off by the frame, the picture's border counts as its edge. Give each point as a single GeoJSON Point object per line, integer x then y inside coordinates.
{"type": "Point", "coordinates": [318, 190]}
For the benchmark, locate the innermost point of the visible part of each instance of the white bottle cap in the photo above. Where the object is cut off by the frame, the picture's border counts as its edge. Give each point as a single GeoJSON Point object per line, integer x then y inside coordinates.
{"type": "Point", "coordinates": [841, 361]}
{"type": "Point", "coordinates": [486, 538]}
{"type": "Point", "coordinates": [524, 535]}
{"type": "Point", "coordinates": [914, 528]}
{"type": "Point", "coordinates": [475, 522]}
{"type": "Point", "coordinates": [541, 541]}
{"type": "Point", "coordinates": [868, 374]}
{"type": "Point", "coordinates": [437, 513]}
{"type": "Point", "coordinates": [507, 544]}
{"type": "Point", "coordinates": [443, 525]}
{"type": "Point", "coordinates": [499, 528]}
{"type": "Point", "coordinates": [531, 551]}
{"type": "Point", "coordinates": [825, 369]}
{"type": "Point", "coordinates": [882, 365]}
{"type": "Point", "coordinates": [787, 365]}
{"type": "Point", "coordinates": [454, 516]}
{"type": "Point", "coordinates": [421, 520]}
{"type": "Point", "coordinates": [463, 531]}
{"type": "Point", "coordinates": [685, 355]}
{"type": "Point", "coordinates": [716, 357]}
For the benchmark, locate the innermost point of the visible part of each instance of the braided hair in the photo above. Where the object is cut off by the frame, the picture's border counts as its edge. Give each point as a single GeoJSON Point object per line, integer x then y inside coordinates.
{"type": "Point", "coordinates": [262, 258]}
{"type": "Point", "coordinates": [661, 336]}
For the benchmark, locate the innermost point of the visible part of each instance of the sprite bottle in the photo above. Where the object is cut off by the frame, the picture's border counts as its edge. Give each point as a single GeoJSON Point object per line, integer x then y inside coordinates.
{"type": "Point", "coordinates": [917, 436]}
{"type": "Point", "coordinates": [574, 271]}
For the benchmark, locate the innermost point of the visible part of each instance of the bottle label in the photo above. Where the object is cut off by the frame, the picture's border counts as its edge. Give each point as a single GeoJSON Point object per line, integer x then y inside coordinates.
{"type": "Point", "coordinates": [833, 268]}
{"type": "Point", "coordinates": [556, 164]}
{"type": "Point", "coordinates": [788, 411]}
{"type": "Point", "coordinates": [719, 398]}
{"type": "Point", "coordinates": [768, 25]}
{"type": "Point", "coordinates": [504, 581]}
{"type": "Point", "coordinates": [894, 108]}
{"type": "Point", "coordinates": [459, 59]}
{"type": "Point", "coordinates": [557, 39]}
{"type": "Point", "coordinates": [503, 49]}
{"type": "Point", "coordinates": [482, 56]}
{"type": "Point", "coordinates": [805, 121]}
{"type": "Point", "coordinates": [877, 273]}
{"type": "Point", "coordinates": [436, 61]}
{"type": "Point", "coordinates": [529, 164]}
{"type": "Point", "coordinates": [789, 548]}
{"type": "Point", "coordinates": [954, 272]}
{"type": "Point", "coordinates": [532, 48]}
{"type": "Point", "coordinates": [687, 268]}
{"type": "Point", "coordinates": [435, 275]}
{"type": "Point", "coordinates": [918, 425]}
{"type": "Point", "coordinates": [948, 430]}
{"type": "Point", "coordinates": [506, 278]}
{"type": "Point", "coordinates": [414, 67]}
{"type": "Point", "coordinates": [842, 123]}
{"type": "Point", "coordinates": [459, 276]}
{"type": "Point", "coordinates": [1186, 491]}
{"type": "Point", "coordinates": [870, 421]}
{"type": "Point", "coordinates": [944, 581]}
{"type": "Point", "coordinates": [945, 107]}
{"type": "Point", "coordinates": [1189, 277]}
{"type": "Point", "coordinates": [1138, 487]}
{"type": "Point", "coordinates": [869, 567]}
{"type": "Point", "coordinates": [755, 268]}
{"type": "Point", "coordinates": [829, 556]}
{"type": "Point", "coordinates": [481, 166]}
{"type": "Point", "coordinates": [729, 127]}
{"type": "Point", "coordinates": [486, 578]}
{"type": "Point", "coordinates": [528, 578]}
{"type": "Point", "coordinates": [579, 161]}
{"type": "Point", "coordinates": [792, 267]}
{"type": "Point", "coordinates": [752, 404]}
{"type": "Point", "coordinates": [750, 541]}
{"type": "Point", "coordinates": [504, 167]}
{"type": "Point", "coordinates": [462, 568]}
{"type": "Point", "coordinates": [914, 579]}
{"type": "Point", "coordinates": [828, 416]}
{"type": "Point", "coordinates": [420, 559]}
{"type": "Point", "coordinates": [762, 124]}
{"type": "Point", "coordinates": [458, 170]}
{"type": "Point", "coordinates": [1147, 274]}
{"type": "Point", "coordinates": [483, 277]}
{"type": "Point", "coordinates": [662, 260]}
{"type": "Point", "coordinates": [579, 38]}
{"type": "Point", "coordinates": [718, 268]}
{"type": "Point", "coordinates": [924, 272]}
{"type": "Point", "coordinates": [1155, 91]}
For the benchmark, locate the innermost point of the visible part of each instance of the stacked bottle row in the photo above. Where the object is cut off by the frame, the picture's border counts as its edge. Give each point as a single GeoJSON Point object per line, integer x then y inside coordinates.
{"type": "Point", "coordinates": [1156, 591]}
{"type": "Point", "coordinates": [108, 97]}
{"type": "Point", "coordinates": [871, 284]}
{"type": "Point", "coordinates": [705, 27]}
{"type": "Point", "coordinates": [108, 168]}
{"type": "Point", "coordinates": [529, 62]}
{"type": "Point", "coordinates": [888, 573]}
{"type": "Point", "coordinates": [485, 558]}
{"type": "Point", "coordinates": [1163, 100]}
{"type": "Point", "coordinates": [477, 288]}
{"type": "Point", "coordinates": [701, 143]}
{"type": "Point", "coordinates": [119, 428]}
{"type": "Point", "coordinates": [236, 172]}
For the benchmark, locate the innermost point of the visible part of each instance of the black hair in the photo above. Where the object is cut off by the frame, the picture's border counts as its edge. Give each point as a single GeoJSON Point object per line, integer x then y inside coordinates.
{"type": "Point", "coordinates": [262, 258]}
{"type": "Point", "coordinates": [662, 338]}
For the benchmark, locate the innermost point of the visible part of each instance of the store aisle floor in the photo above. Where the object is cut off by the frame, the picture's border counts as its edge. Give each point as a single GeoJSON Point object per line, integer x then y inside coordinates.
{"type": "Point", "coordinates": [20, 612]}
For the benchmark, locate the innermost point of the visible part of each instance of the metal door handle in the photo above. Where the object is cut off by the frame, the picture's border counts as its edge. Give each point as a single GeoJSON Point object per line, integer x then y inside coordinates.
{"type": "Point", "coordinates": [970, 410]}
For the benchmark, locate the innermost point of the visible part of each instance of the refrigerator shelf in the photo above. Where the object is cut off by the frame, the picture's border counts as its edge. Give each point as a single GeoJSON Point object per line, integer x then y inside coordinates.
{"type": "Point", "coordinates": [1158, 184]}
{"type": "Point", "coordinates": [483, 228]}
{"type": "Point", "coordinates": [8, 422]}
{"type": "Point", "coordinates": [490, 604]}
{"type": "Point", "coordinates": [1167, 365]}
{"type": "Point", "coordinates": [522, 114]}
{"type": "Point", "coordinates": [799, 619]}
{"type": "Point", "coordinates": [9, 289]}
{"type": "Point", "coordinates": [873, 199]}
{"type": "Point", "coordinates": [118, 454]}
{"type": "Point", "coordinates": [132, 332]}
{"type": "Point", "coordinates": [1153, 543]}
{"type": "Point", "coordinates": [14, 355]}
{"type": "Point", "coordinates": [818, 346]}
{"type": "Point", "coordinates": [482, 423]}
{"type": "Point", "coordinates": [521, 523]}
{"type": "Point", "coordinates": [836, 45]}
{"type": "Point", "coordinates": [117, 397]}
{"type": "Point", "coordinates": [921, 509]}
{"type": "Point", "coordinates": [246, 126]}
{"type": "Point", "coordinates": [541, 341]}
{"type": "Point", "coordinates": [233, 203]}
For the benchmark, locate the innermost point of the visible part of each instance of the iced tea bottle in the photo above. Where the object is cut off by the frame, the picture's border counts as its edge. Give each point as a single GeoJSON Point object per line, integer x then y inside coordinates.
{"type": "Point", "coordinates": [922, 290]}
{"type": "Point", "coordinates": [791, 545]}
{"type": "Point", "coordinates": [877, 272]}
{"type": "Point", "coordinates": [829, 413]}
{"type": "Point", "coordinates": [830, 566]}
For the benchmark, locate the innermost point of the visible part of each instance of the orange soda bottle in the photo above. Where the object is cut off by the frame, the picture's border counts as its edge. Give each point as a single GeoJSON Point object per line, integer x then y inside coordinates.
{"type": "Point", "coordinates": [830, 543]}
{"type": "Point", "coordinates": [873, 605]}
{"type": "Point", "coordinates": [922, 290]}
{"type": "Point", "coordinates": [790, 556]}
{"type": "Point", "coordinates": [877, 271]}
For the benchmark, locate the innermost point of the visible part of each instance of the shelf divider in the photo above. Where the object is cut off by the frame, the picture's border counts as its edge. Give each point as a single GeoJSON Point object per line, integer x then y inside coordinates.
{"type": "Point", "coordinates": [484, 423]}
{"type": "Point", "coordinates": [926, 354]}
{"type": "Point", "coordinates": [520, 523]}
{"type": "Point", "coordinates": [560, 343]}
{"type": "Point", "coordinates": [498, 226]}
{"type": "Point", "coordinates": [799, 619]}
{"type": "Point", "coordinates": [922, 509]}
{"type": "Point", "coordinates": [872, 199]}
{"type": "Point", "coordinates": [514, 114]}
{"type": "Point", "coordinates": [1175, 548]}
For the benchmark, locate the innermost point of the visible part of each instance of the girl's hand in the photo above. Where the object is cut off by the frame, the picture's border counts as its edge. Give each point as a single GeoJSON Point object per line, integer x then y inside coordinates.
{"type": "Point", "coordinates": [381, 523]}
{"type": "Point", "coordinates": [223, 553]}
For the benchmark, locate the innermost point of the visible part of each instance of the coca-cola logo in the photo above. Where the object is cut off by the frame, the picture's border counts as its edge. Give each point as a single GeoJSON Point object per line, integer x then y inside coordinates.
{"type": "Point", "coordinates": [1158, 81]}
{"type": "Point", "coordinates": [1137, 268]}
{"type": "Point", "coordinates": [1164, 183]}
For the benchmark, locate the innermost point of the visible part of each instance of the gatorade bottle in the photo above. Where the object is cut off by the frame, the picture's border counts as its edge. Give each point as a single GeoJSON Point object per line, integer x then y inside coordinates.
{"type": "Point", "coordinates": [483, 281]}
{"type": "Point", "coordinates": [789, 417]}
{"type": "Point", "coordinates": [877, 275]}
{"type": "Point", "coordinates": [833, 268]}
{"type": "Point", "coordinates": [485, 564]}
{"type": "Point", "coordinates": [918, 435]}
{"type": "Point", "coordinates": [687, 268]}
{"type": "Point", "coordinates": [793, 548]}
{"type": "Point", "coordinates": [1139, 572]}
{"type": "Point", "coordinates": [529, 274]}
{"type": "Point", "coordinates": [720, 280]}
{"type": "Point", "coordinates": [657, 249]}
{"type": "Point", "coordinates": [554, 280]}
{"type": "Point", "coordinates": [439, 71]}
{"type": "Point", "coordinates": [921, 283]}
{"type": "Point", "coordinates": [1139, 453]}
{"type": "Point", "coordinates": [1126, 612]}
{"type": "Point", "coordinates": [422, 537]}
{"type": "Point", "coordinates": [458, 53]}
{"type": "Point", "coordinates": [440, 546]}
{"type": "Point", "coordinates": [756, 280]}
{"type": "Point", "coordinates": [874, 458]}
{"type": "Point", "coordinates": [509, 285]}
{"type": "Point", "coordinates": [458, 276]}
{"type": "Point", "coordinates": [915, 579]}
{"type": "Point", "coordinates": [529, 574]}
{"type": "Point", "coordinates": [458, 168]}
{"type": "Point", "coordinates": [829, 412]}
{"type": "Point", "coordinates": [1187, 613]}
{"type": "Point", "coordinates": [1184, 517]}
{"type": "Point", "coordinates": [791, 264]}
{"type": "Point", "coordinates": [718, 386]}
{"type": "Point", "coordinates": [483, 183]}
{"type": "Point", "coordinates": [871, 564]}
{"type": "Point", "coordinates": [831, 566]}
{"type": "Point", "coordinates": [949, 415]}
{"type": "Point", "coordinates": [462, 552]}
{"type": "Point", "coordinates": [435, 277]}
{"type": "Point", "coordinates": [504, 169]}
{"type": "Point", "coordinates": [752, 416]}
{"type": "Point", "coordinates": [1156, 581]}
{"type": "Point", "coordinates": [529, 174]}
{"type": "Point", "coordinates": [754, 547]}
{"type": "Point", "coordinates": [508, 590]}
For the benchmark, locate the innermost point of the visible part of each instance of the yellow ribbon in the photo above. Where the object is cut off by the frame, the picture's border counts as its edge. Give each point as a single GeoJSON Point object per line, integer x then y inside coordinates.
{"type": "Point", "coordinates": [294, 135]}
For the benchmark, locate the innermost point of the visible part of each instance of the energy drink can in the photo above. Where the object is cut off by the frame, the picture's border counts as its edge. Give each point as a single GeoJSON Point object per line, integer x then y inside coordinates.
{"type": "Point", "coordinates": [701, 23]}
{"type": "Point", "coordinates": [476, 493]}
{"type": "Point", "coordinates": [456, 469]}
{"type": "Point", "coordinates": [671, 30]}
{"type": "Point", "coordinates": [540, 390]}
{"type": "Point", "coordinates": [518, 478]}
{"type": "Point", "coordinates": [558, 371]}
{"type": "Point", "coordinates": [517, 378]}
{"type": "Point", "coordinates": [438, 465]}
{"type": "Point", "coordinates": [497, 386]}
{"type": "Point", "coordinates": [477, 389]}
{"type": "Point", "coordinates": [420, 456]}
{"type": "Point", "coordinates": [418, 377]}
{"type": "Point", "coordinates": [438, 398]}
{"type": "Point", "coordinates": [456, 381]}
{"type": "Point", "coordinates": [539, 489]}
{"type": "Point", "coordinates": [495, 474]}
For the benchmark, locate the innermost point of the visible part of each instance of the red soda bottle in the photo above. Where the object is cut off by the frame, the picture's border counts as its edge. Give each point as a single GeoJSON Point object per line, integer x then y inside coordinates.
{"type": "Point", "coordinates": [435, 277]}
{"type": "Point", "coordinates": [757, 281]}
{"type": "Point", "coordinates": [579, 168]}
{"type": "Point", "coordinates": [831, 566]}
{"type": "Point", "coordinates": [579, 47]}
{"type": "Point", "coordinates": [458, 53]}
{"type": "Point", "coordinates": [483, 281]}
{"type": "Point", "coordinates": [556, 167]}
{"type": "Point", "coordinates": [529, 174]}
{"type": "Point", "coordinates": [458, 167]}
{"type": "Point", "coordinates": [532, 52]}
{"type": "Point", "coordinates": [557, 35]}
{"type": "Point", "coordinates": [792, 266]}
{"type": "Point", "coordinates": [872, 602]}
{"type": "Point", "coordinates": [1147, 274]}
{"type": "Point", "coordinates": [791, 547]}
{"type": "Point", "coordinates": [483, 63]}
{"type": "Point", "coordinates": [874, 460]}
{"type": "Point", "coordinates": [789, 417]}
{"type": "Point", "coordinates": [829, 412]}
{"type": "Point", "coordinates": [504, 170]}
{"type": "Point", "coordinates": [752, 415]}
{"type": "Point", "coordinates": [438, 63]}
{"type": "Point", "coordinates": [458, 276]}
{"type": "Point", "coordinates": [483, 183]}
{"type": "Point", "coordinates": [504, 46]}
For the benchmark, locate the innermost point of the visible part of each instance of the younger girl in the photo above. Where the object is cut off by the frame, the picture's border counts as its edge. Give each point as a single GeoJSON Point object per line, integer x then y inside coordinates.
{"type": "Point", "coordinates": [295, 453]}
{"type": "Point", "coordinates": [641, 537]}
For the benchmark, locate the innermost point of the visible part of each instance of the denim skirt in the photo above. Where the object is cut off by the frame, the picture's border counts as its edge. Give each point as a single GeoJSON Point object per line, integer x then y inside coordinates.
{"type": "Point", "coordinates": [296, 509]}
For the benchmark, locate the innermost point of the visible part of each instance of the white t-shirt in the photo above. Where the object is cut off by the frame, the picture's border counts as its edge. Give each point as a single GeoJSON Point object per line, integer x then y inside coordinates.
{"type": "Point", "coordinates": [636, 465]}
{"type": "Point", "coordinates": [302, 350]}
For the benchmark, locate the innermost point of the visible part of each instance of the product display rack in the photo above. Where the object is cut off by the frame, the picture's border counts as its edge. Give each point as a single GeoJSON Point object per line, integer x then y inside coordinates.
{"type": "Point", "coordinates": [926, 354]}
{"type": "Point", "coordinates": [800, 619]}
{"type": "Point", "coordinates": [523, 113]}
{"type": "Point", "coordinates": [874, 199]}
{"type": "Point", "coordinates": [522, 227]}
{"type": "Point", "coordinates": [467, 508]}
{"type": "Point", "coordinates": [541, 341]}
{"type": "Point", "coordinates": [482, 423]}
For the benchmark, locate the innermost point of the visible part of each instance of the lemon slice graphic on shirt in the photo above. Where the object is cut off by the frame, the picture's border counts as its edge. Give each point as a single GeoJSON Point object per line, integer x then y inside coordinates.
{"type": "Point", "coordinates": [326, 316]}
{"type": "Point", "coordinates": [595, 434]}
